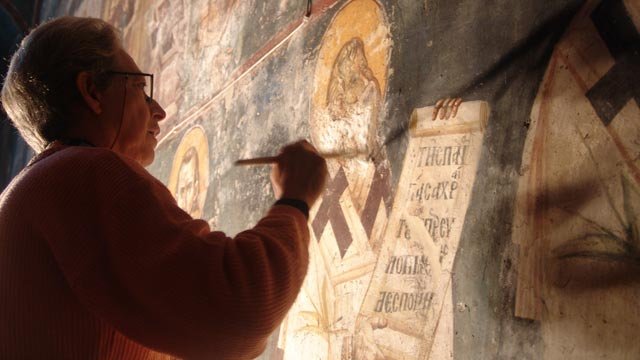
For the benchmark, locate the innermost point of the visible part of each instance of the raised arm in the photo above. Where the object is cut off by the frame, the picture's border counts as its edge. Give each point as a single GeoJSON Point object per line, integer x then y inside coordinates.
{"type": "Point", "coordinates": [166, 281]}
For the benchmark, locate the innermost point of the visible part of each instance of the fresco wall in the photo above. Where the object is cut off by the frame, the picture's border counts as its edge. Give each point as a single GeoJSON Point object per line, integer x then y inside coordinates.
{"type": "Point", "coordinates": [484, 203]}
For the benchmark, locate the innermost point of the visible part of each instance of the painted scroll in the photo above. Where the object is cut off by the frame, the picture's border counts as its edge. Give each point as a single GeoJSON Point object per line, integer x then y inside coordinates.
{"type": "Point", "coordinates": [409, 298]}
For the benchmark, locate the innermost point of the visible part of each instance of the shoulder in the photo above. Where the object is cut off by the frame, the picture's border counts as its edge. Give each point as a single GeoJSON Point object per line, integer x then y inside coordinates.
{"type": "Point", "coordinates": [99, 160]}
{"type": "Point", "coordinates": [80, 168]}
{"type": "Point", "coordinates": [86, 158]}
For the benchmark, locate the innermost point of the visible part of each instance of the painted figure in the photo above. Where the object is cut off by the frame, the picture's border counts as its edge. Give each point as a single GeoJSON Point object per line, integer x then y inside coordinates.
{"type": "Point", "coordinates": [189, 178]}
{"type": "Point", "coordinates": [579, 196]}
{"type": "Point", "coordinates": [346, 226]}
{"type": "Point", "coordinates": [353, 99]}
{"type": "Point", "coordinates": [350, 120]}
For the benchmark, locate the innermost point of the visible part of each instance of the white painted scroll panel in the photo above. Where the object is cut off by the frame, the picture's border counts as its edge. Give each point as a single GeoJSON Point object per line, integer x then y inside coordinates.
{"type": "Point", "coordinates": [405, 304]}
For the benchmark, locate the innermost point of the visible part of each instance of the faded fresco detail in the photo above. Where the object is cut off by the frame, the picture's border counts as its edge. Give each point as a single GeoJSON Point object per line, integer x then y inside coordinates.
{"type": "Point", "coordinates": [408, 311]}
{"type": "Point", "coordinates": [194, 48]}
{"type": "Point", "coordinates": [189, 179]}
{"type": "Point", "coordinates": [579, 205]}
{"type": "Point", "coordinates": [167, 46]}
{"type": "Point", "coordinates": [120, 13]}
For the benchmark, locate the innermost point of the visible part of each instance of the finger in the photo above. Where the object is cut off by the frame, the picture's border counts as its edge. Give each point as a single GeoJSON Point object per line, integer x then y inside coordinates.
{"type": "Point", "coordinates": [436, 108]}
{"type": "Point", "coordinates": [445, 106]}
{"type": "Point", "coordinates": [274, 168]}
{"type": "Point", "coordinates": [275, 181]}
{"type": "Point", "coordinates": [289, 148]}
{"type": "Point", "coordinates": [308, 146]}
{"type": "Point", "coordinates": [272, 173]}
{"type": "Point", "coordinates": [456, 105]}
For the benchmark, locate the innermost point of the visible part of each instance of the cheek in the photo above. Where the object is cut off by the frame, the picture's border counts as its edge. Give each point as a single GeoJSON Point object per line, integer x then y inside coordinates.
{"type": "Point", "coordinates": [135, 141]}
{"type": "Point", "coordinates": [133, 133]}
{"type": "Point", "coordinates": [137, 125]}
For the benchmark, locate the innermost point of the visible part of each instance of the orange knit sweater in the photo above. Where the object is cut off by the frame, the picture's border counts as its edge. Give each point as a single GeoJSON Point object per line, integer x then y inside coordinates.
{"type": "Point", "coordinates": [98, 262]}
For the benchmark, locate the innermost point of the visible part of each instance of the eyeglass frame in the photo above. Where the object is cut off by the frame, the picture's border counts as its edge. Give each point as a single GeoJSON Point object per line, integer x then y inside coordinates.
{"type": "Point", "coordinates": [148, 98]}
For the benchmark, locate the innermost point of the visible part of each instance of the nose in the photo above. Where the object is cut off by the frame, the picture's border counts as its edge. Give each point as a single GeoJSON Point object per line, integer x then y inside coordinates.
{"type": "Point", "coordinates": [157, 112]}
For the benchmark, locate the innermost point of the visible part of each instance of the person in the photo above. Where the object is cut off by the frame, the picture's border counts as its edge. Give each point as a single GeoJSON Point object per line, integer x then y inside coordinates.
{"type": "Point", "coordinates": [97, 261]}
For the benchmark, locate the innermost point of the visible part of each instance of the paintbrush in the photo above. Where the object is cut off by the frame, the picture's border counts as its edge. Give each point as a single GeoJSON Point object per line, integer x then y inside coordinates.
{"type": "Point", "coordinates": [273, 159]}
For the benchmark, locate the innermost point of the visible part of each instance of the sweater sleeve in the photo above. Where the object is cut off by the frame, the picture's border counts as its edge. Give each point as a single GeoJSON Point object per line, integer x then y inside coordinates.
{"type": "Point", "coordinates": [165, 280]}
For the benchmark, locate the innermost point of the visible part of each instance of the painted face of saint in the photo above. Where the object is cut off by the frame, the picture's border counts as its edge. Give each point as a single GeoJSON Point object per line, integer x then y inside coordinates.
{"type": "Point", "coordinates": [350, 122]}
{"type": "Point", "coordinates": [188, 182]}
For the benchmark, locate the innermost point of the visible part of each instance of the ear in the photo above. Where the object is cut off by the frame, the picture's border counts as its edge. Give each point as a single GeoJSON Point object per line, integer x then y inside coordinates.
{"type": "Point", "coordinates": [89, 92]}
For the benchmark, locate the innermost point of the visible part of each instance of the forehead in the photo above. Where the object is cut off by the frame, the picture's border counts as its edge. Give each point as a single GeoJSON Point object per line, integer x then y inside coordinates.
{"type": "Point", "coordinates": [124, 62]}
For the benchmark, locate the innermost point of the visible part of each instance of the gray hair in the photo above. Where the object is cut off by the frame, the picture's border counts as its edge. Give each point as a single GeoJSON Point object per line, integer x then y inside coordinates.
{"type": "Point", "coordinates": [40, 86]}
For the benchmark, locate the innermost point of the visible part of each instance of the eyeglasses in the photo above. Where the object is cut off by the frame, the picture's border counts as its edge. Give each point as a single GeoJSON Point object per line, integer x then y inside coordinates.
{"type": "Point", "coordinates": [148, 98]}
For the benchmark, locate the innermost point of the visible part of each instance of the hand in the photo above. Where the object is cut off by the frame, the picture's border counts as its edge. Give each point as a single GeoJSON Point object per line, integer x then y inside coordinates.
{"type": "Point", "coordinates": [446, 108]}
{"type": "Point", "coordinates": [365, 344]}
{"type": "Point", "coordinates": [300, 173]}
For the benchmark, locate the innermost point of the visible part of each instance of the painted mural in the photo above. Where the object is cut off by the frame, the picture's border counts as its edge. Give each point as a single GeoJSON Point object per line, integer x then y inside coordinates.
{"type": "Point", "coordinates": [484, 187]}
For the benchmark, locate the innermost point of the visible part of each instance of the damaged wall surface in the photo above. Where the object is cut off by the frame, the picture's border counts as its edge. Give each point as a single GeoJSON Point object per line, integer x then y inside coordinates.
{"type": "Point", "coordinates": [487, 199]}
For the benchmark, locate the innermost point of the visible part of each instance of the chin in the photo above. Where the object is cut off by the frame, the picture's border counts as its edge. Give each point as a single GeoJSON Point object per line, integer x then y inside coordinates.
{"type": "Point", "coordinates": [146, 159]}
{"type": "Point", "coordinates": [147, 153]}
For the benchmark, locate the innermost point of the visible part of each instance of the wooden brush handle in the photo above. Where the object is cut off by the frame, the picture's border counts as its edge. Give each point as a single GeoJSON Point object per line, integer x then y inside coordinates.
{"type": "Point", "coordinates": [257, 161]}
{"type": "Point", "coordinates": [273, 159]}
